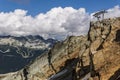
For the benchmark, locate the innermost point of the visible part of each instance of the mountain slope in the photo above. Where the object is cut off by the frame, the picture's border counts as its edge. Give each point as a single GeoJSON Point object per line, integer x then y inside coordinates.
{"type": "Point", "coordinates": [94, 56]}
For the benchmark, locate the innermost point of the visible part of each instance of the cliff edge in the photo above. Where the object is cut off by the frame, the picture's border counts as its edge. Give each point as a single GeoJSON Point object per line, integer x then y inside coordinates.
{"type": "Point", "coordinates": [95, 56]}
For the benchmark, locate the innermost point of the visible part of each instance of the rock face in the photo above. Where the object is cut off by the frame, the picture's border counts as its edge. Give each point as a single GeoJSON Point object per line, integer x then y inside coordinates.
{"type": "Point", "coordinates": [94, 56]}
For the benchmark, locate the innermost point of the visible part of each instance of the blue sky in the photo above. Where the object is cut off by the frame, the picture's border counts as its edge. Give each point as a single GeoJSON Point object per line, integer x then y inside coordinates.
{"type": "Point", "coordinates": [35, 7]}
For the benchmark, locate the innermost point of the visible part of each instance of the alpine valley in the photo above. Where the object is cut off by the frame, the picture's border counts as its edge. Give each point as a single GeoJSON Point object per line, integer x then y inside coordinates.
{"type": "Point", "coordinates": [16, 52]}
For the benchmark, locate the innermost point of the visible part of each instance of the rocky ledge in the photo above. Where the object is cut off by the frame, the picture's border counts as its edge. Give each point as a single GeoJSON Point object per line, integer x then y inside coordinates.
{"type": "Point", "coordinates": [95, 56]}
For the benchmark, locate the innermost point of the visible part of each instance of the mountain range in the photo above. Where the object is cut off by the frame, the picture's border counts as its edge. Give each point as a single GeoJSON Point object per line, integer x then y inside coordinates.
{"type": "Point", "coordinates": [16, 52]}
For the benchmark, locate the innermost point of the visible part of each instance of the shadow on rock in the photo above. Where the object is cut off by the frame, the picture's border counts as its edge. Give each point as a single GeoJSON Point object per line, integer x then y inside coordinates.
{"type": "Point", "coordinates": [116, 75]}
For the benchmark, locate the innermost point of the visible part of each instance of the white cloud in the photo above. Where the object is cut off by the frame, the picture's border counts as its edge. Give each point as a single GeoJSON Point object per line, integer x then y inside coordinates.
{"type": "Point", "coordinates": [113, 12]}
{"type": "Point", "coordinates": [58, 21]}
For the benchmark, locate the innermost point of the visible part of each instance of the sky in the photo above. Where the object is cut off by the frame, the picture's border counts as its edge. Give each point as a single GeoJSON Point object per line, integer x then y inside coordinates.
{"type": "Point", "coordinates": [35, 7]}
{"type": "Point", "coordinates": [52, 18]}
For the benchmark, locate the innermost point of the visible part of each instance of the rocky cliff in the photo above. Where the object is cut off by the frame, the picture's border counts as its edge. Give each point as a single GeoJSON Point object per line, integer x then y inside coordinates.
{"type": "Point", "coordinates": [95, 56]}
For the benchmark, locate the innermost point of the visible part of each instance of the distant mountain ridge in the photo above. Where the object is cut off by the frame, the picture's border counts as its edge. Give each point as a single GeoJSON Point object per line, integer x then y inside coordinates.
{"type": "Point", "coordinates": [16, 52]}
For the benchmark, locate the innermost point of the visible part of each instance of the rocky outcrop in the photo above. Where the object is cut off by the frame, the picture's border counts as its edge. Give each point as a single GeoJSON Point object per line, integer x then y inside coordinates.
{"type": "Point", "coordinates": [94, 56]}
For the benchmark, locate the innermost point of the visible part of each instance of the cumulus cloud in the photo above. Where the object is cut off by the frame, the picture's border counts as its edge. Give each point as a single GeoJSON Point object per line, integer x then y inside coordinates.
{"type": "Point", "coordinates": [57, 23]}
{"type": "Point", "coordinates": [113, 12]}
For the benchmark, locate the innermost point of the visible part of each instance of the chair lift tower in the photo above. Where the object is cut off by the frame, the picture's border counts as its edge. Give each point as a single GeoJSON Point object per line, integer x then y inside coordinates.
{"type": "Point", "coordinates": [100, 14]}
